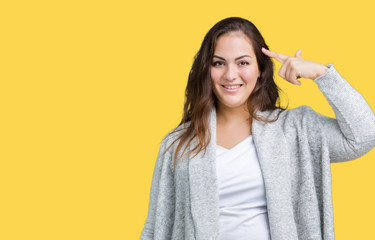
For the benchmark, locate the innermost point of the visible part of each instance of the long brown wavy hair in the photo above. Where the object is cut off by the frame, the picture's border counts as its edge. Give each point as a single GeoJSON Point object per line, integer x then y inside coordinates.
{"type": "Point", "coordinates": [199, 94]}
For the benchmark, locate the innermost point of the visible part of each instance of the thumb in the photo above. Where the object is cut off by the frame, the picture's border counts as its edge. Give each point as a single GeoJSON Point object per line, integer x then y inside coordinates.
{"type": "Point", "coordinates": [298, 54]}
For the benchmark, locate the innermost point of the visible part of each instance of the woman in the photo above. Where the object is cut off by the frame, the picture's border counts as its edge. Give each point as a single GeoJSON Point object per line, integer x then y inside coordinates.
{"type": "Point", "coordinates": [240, 167]}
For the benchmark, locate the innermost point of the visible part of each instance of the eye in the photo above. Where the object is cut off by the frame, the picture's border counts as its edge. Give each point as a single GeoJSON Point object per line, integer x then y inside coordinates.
{"type": "Point", "coordinates": [215, 63]}
{"type": "Point", "coordinates": [246, 63]}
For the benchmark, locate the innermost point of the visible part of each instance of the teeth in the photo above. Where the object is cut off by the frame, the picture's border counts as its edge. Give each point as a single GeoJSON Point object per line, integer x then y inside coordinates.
{"type": "Point", "coordinates": [232, 87]}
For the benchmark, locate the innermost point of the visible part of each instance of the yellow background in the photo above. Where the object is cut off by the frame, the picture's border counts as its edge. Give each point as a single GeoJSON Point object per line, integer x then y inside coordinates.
{"type": "Point", "coordinates": [89, 88]}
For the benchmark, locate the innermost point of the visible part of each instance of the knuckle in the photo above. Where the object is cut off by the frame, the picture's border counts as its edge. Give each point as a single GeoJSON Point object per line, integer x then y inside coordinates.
{"type": "Point", "coordinates": [293, 63]}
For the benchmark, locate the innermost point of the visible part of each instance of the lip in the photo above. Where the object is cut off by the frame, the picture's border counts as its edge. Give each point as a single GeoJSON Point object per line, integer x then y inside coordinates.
{"type": "Point", "coordinates": [232, 90]}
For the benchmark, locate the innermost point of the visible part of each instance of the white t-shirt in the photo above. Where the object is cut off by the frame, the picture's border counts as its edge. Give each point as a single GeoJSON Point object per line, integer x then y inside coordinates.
{"type": "Point", "coordinates": [242, 199]}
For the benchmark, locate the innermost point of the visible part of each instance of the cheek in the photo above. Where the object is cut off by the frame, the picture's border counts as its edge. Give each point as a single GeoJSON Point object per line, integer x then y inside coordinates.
{"type": "Point", "coordinates": [215, 79]}
{"type": "Point", "coordinates": [215, 75]}
{"type": "Point", "coordinates": [249, 74]}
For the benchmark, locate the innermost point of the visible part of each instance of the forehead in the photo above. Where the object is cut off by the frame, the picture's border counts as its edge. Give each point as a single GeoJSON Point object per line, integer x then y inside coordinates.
{"type": "Point", "coordinates": [233, 43]}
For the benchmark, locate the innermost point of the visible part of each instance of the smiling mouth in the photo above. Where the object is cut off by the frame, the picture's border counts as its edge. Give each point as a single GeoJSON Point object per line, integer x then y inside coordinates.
{"type": "Point", "coordinates": [232, 87]}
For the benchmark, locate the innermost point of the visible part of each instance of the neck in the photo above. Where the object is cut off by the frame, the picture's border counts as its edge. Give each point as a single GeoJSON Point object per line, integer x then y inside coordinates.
{"type": "Point", "coordinates": [227, 115]}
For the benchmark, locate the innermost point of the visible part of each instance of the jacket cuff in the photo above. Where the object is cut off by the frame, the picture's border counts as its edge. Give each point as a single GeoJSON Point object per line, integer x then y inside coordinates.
{"type": "Point", "coordinates": [329, 78]}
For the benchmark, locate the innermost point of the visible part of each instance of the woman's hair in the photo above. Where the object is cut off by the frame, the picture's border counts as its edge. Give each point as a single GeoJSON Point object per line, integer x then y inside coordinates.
{"type": "Point", "coordinates": [199, 94]}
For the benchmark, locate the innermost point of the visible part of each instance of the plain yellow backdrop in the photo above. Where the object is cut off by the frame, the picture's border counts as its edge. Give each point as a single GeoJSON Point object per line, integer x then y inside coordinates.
{"type": "Point", "coordinates": [89, 88]}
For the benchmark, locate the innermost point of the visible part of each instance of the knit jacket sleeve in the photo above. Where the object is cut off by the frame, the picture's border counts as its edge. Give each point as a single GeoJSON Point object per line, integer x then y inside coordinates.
{"type": "Point", "coordinates": [160, 205]}
{"type": "Point", "coordinates": [352, 133]}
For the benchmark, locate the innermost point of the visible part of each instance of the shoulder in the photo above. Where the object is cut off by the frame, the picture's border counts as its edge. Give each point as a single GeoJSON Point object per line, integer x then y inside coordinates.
{"type": "Point", "coordinates": [302, 117]}
{"type": "Point", "coordinates": [299, 113]}
{"type": "Point", "coordinates": [173, 134]}
{"type": "Point", "coordinates": [289, 115]}
{"type": "Point", "coordinates": [305, 113]}
{"type": "Point", "coordinates": [298, 125]}
{"type": "Point", "coordinates": [304, 121]}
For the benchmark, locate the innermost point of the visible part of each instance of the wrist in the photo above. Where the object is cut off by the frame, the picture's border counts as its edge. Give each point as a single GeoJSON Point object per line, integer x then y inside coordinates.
{"type": "Point", "coordinates": [320, 71]}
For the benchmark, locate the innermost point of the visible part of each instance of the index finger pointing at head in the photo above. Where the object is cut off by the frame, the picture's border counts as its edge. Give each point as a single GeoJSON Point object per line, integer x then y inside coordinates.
{"type": "Point", "coordinates": [278, 56]}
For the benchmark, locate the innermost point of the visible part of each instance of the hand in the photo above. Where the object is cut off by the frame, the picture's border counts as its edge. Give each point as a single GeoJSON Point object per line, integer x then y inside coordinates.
{"type": "Point", "coordinates": [296, 67]}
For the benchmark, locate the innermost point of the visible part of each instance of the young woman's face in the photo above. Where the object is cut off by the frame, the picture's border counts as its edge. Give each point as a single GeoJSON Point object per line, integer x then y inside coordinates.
{"type": "Point", "coordinates": [234, 65]}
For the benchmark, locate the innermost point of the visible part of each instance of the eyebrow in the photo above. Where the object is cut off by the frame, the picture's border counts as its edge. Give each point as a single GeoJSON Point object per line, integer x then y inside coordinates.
{"type": "Point", "coordinates": [234, 59]}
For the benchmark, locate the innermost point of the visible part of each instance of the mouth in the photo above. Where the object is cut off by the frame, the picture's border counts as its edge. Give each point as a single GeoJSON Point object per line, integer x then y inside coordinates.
{"type": "Point", "coordinates": [232, 88]}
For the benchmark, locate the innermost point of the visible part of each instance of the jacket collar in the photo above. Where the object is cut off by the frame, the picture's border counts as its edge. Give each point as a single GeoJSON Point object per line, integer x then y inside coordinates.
{"type": "Point", "coordinates": [204, 185]}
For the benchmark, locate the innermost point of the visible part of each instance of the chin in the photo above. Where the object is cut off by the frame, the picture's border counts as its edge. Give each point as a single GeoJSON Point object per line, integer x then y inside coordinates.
{"type": "Point", "coordinates": [233, 105]}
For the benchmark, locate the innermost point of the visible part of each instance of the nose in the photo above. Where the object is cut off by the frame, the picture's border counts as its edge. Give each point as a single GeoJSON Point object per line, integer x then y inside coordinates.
{"type": "Point", "coordinates": [231, 73]}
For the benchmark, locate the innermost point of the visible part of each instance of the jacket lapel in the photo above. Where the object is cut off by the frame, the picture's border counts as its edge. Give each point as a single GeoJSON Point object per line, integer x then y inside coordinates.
{"type": "Point", "coordinates": [204, 189]}
{"type": "Point", "coordinates": [273, 160]}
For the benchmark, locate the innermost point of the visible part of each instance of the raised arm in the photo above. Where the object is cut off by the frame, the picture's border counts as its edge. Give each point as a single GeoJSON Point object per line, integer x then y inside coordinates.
{"type": "Point", "coordinates": [352, 133]}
